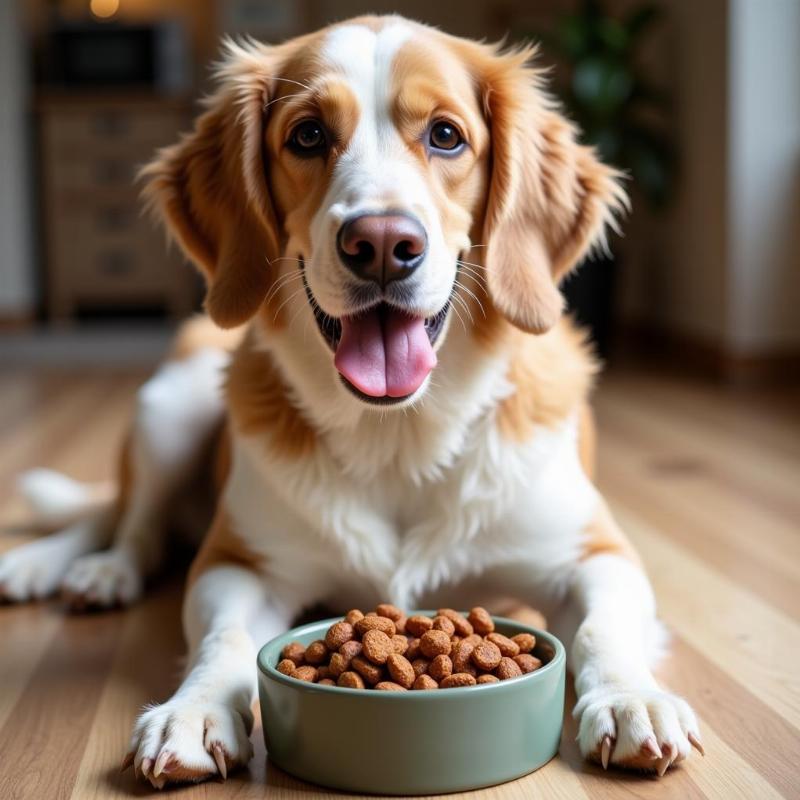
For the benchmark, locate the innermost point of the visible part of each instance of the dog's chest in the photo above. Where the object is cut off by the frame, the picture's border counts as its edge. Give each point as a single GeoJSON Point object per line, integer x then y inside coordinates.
{"type": "Point", "coordinates": [390, 537]}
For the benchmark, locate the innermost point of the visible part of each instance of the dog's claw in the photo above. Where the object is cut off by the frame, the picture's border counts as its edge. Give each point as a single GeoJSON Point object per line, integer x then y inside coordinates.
{"type": "Point", "coordinates": [663, 764]}
{"type": "Point", "coordinates": [127, 761]}
{"type": "Point", "coordinates": [605, 751]}
{"type": "Point", "coordinates": [219, 759]}
{"type": "Point", "coordinates": [161, 762]}
{"type": "Point", "coordinates": [695, 742]}
{"type": "Point", "coordinates": [146, 767]}
{"type": "Point", "coordinates": [650, 746]}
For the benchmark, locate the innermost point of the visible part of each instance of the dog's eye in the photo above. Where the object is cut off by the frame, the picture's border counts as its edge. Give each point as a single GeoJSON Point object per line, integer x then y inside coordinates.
{"type": "Point", "coordinates": [308, 138]}
{"type": "Point", "coordinates": [445, 136]}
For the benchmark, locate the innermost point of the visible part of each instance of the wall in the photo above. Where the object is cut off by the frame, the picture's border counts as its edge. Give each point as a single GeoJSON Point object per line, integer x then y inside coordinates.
{"type": "Point", "coordinates": [16, 261]}
{"type": "Point", "coordinates": [763, 293]}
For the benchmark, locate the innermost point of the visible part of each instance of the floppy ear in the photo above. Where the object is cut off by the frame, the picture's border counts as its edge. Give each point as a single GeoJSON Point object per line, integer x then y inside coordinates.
{"type": "Point", "coordinates": [210, 189]}
{"type": "Point", "coordinates": [550, 199]}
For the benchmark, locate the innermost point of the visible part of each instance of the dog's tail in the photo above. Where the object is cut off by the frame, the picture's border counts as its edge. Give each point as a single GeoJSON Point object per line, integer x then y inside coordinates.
{"type": "Point", "coordinates": [57, 501]}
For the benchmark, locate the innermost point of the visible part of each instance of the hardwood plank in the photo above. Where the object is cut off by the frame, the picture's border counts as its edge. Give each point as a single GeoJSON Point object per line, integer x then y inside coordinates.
{"type": "Point", "coordinates": [145, 669]}
{"type": "Point", "coordinates": [717, 529]}
{"type": "Point", "coordinates": [740, 723]}
{"type": "Point", "coordinates": [736, 630]}
{"type": "Point", "coordinates": [770, 476]}
{"type": "Point", "coordinates": [27, 632]}
{"type": "Point", "coordinates": [44, 736]}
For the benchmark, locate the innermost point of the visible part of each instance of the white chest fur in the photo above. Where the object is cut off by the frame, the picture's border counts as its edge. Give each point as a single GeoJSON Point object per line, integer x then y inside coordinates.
{"type": "Point", "coordinates": [330, 535]}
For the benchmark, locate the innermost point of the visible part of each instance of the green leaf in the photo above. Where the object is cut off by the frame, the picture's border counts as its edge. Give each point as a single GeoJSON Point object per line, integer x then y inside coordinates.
{"type": "Point", "coordinates": [602, 85]}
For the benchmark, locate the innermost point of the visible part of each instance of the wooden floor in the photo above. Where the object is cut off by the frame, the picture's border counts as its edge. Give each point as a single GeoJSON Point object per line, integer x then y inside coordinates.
{"type": "Point", "coordinates": [706, 482]}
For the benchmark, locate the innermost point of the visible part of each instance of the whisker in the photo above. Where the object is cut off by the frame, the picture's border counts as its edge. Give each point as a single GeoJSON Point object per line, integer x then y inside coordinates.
{"type": "Point", "coordinates": [283, 280]}
{"type": "Point", "coordinates": [290, 258]}
{"type": "Point", "coordinates": [471, 264]}
{"type": "Point", "coordinates": [284, 97]}
{"type": "Point", "coordinates": [472, 295]}
{"type": "Point", "coordinates": [476, 276]}
{"type": "Point", "coordinates": [289, 80]}
{"type": "Point", "coordinates": [467, 310]}
{"type": "Point", "coordinates": [458, 313]}
{"type": "Point", "coordinates": [287, 300]}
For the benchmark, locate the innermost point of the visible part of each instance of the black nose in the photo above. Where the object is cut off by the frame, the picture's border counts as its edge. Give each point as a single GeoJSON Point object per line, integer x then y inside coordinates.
{"type": "Point", "coordinates": [382, 247]}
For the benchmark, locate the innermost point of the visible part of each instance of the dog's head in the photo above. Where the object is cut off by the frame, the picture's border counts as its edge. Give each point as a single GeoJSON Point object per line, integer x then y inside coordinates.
{"type": "Point", "coordinates": [374, 176]}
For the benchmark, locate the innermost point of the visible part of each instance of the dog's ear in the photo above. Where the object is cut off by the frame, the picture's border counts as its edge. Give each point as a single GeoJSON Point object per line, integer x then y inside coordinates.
{"type": "Point", "coordinates": [210, 188]}
{"type": "Point", "coordinates": [550, 199]}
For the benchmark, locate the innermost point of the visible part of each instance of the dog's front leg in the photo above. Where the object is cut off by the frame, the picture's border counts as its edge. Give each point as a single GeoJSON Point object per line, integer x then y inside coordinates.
{"type": "Point", "coordinates": [625, 717]}
{"type": "Point", "coordinates": [203, 730]}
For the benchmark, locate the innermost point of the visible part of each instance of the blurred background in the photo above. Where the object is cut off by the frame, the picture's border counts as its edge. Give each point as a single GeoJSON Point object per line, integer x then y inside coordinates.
{"type": "Point", "coordinates": [699, 102]}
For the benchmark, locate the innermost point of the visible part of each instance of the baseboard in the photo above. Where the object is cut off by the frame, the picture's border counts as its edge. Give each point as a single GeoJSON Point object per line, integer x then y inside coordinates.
{"type": "Point", "coordinates": [698, 356]}
{"type": "Point", "coordinates": [16, 321]}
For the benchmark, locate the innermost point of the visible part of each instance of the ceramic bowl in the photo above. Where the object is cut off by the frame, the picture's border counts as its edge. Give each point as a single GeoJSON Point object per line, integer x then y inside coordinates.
{"type": "Point", "coordinates": [415, 742]}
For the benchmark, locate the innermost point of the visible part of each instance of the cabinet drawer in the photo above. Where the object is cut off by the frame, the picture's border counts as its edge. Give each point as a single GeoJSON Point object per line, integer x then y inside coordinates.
{"type": "Point", "coordinates": [70, 134]}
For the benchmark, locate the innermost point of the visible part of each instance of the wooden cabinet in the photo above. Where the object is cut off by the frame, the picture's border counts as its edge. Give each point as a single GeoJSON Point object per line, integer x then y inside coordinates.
{"type": "Point", "coordinates": [100, 249]}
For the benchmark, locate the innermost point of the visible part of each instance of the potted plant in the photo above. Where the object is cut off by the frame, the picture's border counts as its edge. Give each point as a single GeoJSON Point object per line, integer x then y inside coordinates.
{"type": "Point", "coordinates": [607, 93]}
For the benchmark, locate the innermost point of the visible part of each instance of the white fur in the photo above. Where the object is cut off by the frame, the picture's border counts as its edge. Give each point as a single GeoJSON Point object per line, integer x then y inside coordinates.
{"type": "Point", "coordinates": [176, 411]}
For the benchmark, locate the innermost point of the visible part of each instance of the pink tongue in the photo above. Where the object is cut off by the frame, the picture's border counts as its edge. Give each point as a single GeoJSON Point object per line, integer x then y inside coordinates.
{"type": "Point", "coordinates": [385, 354]}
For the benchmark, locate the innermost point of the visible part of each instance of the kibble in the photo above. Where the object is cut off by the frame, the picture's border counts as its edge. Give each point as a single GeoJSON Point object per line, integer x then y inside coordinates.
{"type": "Point", "coordinates": [481, 621]}
{"type": "Point", "coordinates": [295, 652]}
{"type": "Point", "coordinates": [527, 663]}
{"type": "Point", "coordinates": [401, 670]}
{"type": "Point", "coordinates": [384, 650]}
{"type": "Point", "coordinates": [445, 624]}
{"type": "Point", "coordinates": [389, 686]}
{"type": "Point", "coordinates": [425, 682]}
{"type": "Point", "coordinates": [525, 641]}
{"type": "Point", "coordinates": [507, 668]}
{"type": "Point", "coordinates": [418, 625]}
{"type": "Point", "coordinates": [435, 643]}
{"type": "Point", "coordinates": [338, 634]}
{"type": "Point", "coordinates": [376, 623]}
{"type": "Point", "coordinates": [440, 668]}
{"type": "Point", "coordinates": [508, 647]}
{"type": "Point", "coordinates": [486, 656]}
{"type": "Point", "coordinates": [377, 646]}
{"type": "Point", "coordinates": [458, 679]}
{"type": "Point", "coordinates": [316, 653]}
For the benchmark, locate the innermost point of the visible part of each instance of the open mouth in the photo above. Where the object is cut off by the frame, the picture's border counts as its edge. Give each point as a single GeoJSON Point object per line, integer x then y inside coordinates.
{"type": "Point", "coordinates": [383, 354]}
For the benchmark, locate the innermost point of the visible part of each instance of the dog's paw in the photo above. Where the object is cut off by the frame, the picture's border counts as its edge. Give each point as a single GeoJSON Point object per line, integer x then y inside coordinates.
{"type": "Point", "coordinates": [636, 729]}
{"type": "Point", "coordinates": [187, 740]}
{"type": "Point", "coordinates": [102, 580]}
{"type": "Point", "coordinates": [32, 571]}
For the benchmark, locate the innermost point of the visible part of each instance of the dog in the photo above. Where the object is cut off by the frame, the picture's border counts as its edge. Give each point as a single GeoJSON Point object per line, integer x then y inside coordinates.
{"type": "Point", "coordinates": [382, 214]}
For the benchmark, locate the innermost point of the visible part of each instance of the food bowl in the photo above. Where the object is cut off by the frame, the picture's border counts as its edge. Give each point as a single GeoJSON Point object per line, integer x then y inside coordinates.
{"type": "Point", "coordinates": [415, 742]}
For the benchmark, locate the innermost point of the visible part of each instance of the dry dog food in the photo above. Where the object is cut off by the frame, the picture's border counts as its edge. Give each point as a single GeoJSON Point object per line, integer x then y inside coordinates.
{"type": "Point", "coordinates": [387, 651]}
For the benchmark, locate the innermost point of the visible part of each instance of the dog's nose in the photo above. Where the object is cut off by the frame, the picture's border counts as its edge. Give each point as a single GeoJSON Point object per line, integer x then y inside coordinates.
{"type": "Point", "coordinates": [382, 247]}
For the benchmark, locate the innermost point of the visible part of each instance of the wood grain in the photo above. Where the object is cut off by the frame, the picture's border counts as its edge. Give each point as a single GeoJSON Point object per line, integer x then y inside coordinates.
{"type": "Point", "coordinates": [704, 480]}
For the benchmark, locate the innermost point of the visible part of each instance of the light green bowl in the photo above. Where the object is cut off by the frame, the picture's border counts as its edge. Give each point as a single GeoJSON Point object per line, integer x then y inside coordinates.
{"type": "Point", "coordinates": [416, 742]}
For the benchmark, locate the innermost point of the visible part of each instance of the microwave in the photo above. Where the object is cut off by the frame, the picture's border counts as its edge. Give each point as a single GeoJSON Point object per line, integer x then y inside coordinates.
{"type": "Point", "coordinates": [110, 55]}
